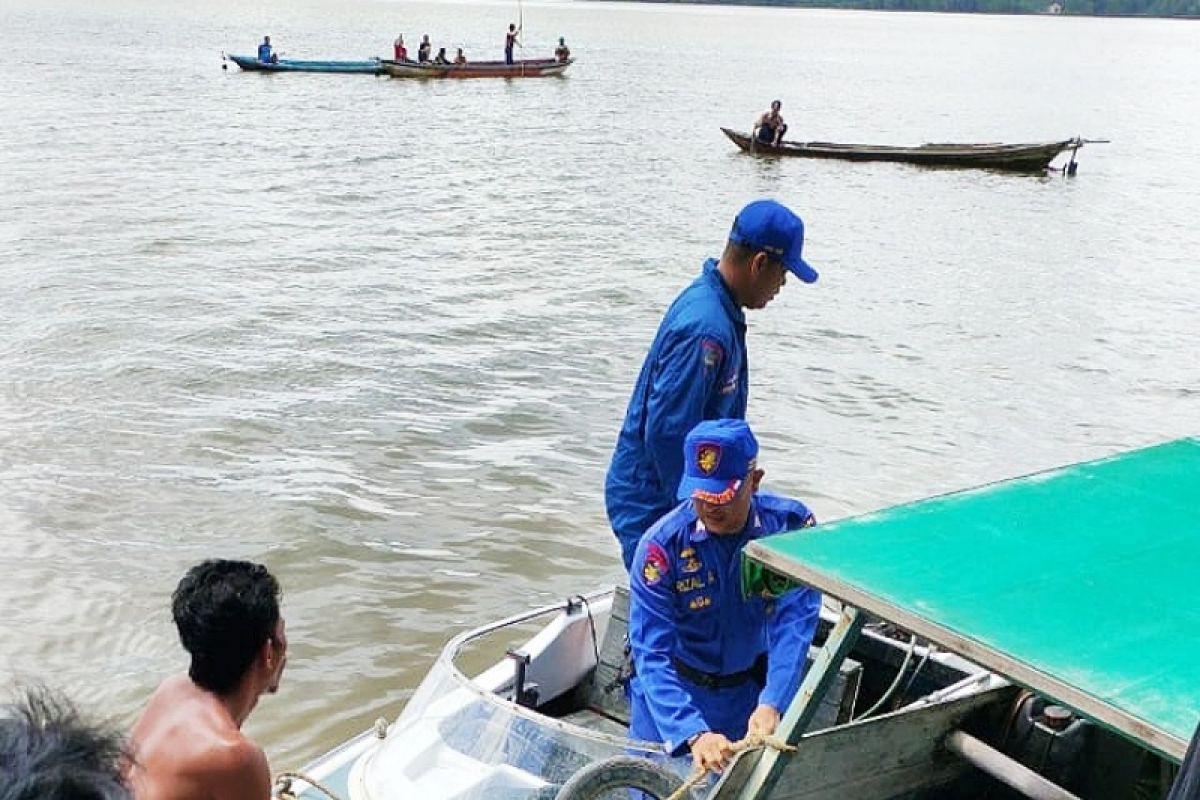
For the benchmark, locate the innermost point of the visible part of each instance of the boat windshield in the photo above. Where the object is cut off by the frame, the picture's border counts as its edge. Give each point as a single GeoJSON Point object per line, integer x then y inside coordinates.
{"type": "Point", "coordinates": [462, 738]}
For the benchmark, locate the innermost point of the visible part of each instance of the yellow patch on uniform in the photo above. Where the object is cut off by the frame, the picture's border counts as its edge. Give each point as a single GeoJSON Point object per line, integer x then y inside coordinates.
{"type": "Point", "coordinates": [697, 603]}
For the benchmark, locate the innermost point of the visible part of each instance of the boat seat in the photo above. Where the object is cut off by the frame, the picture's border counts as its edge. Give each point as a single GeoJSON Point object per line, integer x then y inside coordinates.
{"type": "Point", "coordinates": [604, 693]}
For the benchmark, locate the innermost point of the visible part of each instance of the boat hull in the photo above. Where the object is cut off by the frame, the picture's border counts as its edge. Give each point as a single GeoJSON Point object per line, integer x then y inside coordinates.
{"type": "Point", "coordinates": [252, 64]}
{"type": "Point", "coordinates": [1012, 157]}
{"type": "Point", "coordinates": [462, 738]}
{"type": "Point", "coordinates": [531, 68]}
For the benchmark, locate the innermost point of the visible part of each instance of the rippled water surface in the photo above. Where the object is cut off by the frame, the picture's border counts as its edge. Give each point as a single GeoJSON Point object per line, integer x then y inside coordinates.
{"type": "Point", "coordinates": [379, 333]}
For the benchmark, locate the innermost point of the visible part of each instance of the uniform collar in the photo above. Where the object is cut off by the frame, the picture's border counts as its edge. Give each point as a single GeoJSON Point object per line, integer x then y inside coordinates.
{"type": "Point", "coordinates": [712, 276]}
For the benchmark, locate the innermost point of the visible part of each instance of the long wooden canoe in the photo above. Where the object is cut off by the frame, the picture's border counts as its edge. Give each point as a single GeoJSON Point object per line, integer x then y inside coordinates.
{"type": "Point", "coordinates": [1016, 157]}
{"type": "Point", "coordinates": [252, 64]}
{"type": "Point", "coordinates": [529, 68]}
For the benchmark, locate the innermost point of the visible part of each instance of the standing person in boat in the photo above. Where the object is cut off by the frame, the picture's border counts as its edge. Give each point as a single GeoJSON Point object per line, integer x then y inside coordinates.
{"type": "Point", "coordinates": [769, 128]}
{"type": "Point", "coordinates": [48, 751]}
{"type": "Point", "coordinates": [188, 742]}
{"type": "Point", "coordinates": [562, 53]}
{"type": "Point", "coordinates": [424, 50]}
{"type": "Point", "coordinates": [459, 58]}
{"type": "Point", "coordinates": [703, 675]}
{"type": "Point", "coordinates": [441, 58]}
{"type": "Point", "coordinates": [265, 54]}
{"type": "Point", "coordinates": [511, 39]}
{"type": "Point", "coordinates": [399, 50]}
{"type": "Point", "coordinates": [696, 368]}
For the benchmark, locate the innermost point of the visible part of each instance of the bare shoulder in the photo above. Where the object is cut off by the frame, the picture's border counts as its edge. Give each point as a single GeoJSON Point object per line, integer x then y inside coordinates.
{"type": "Point", "coordinates": [239, 771]}
{"type": "Point", "coordinates": [185, 746]}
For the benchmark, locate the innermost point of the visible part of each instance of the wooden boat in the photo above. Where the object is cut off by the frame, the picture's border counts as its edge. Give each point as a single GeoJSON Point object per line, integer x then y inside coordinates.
{"type": "Point", "coordinates": [1077, 584]}
{"type": "Point", "coordinates": [252, 64]}
{"type": "Point", "coordinates": [528, 68]}
{"type": "Point", "coordinates": [1030, 638]}
{"type": "Point", "coordinates": [1013, 157]}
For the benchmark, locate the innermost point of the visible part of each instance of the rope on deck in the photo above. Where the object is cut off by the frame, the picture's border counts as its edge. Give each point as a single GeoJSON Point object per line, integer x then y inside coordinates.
{"type": "Point", "coordinates": [283, 781]}
{"type": "Point", "coordinates": [283, 784]}
{"type": "Point", "coordinates": [754, 741]}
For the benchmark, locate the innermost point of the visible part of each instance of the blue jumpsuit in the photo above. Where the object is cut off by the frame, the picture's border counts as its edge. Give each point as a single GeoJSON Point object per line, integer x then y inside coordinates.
{"type": "Point", "coordinates": [686, 604]}
{"type": "Point", "coordinates": [696, 370]}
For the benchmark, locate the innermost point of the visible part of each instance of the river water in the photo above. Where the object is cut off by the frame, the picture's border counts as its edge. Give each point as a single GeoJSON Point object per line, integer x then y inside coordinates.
{"type": "Point", "coordinates": [379, 334]}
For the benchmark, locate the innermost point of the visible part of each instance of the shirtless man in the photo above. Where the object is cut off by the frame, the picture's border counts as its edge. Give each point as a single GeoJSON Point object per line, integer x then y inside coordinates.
{"type": "Point", "coordinates": [188, 743]}
{"type": "Point", "coordinates": [770, 128]}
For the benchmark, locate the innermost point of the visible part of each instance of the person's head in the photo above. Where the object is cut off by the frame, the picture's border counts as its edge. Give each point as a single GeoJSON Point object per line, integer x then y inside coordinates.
{"type": "Point", "coordinates": [720, 473]}
{"type": "Point", "coordinates": [460, 51]}
{"type": "Point", "coordinates": [49, 752]}
{"type": "Point", "coordinates": [266, 40]}
{"type": "Point", "coordinates": [511, 27]}
{"type": "Point", "coordinates": [425, 39]}
{"type": "Point", "coordinates": [441, 51]}
{"type": "Point", "coordinates": [775, 106]}
{"type": "Point", "coordinates": [765, 244]}
{"type": "Point", "coordinates": [562, 40]}
{"type": "Point", "coordinates": [227, 613]}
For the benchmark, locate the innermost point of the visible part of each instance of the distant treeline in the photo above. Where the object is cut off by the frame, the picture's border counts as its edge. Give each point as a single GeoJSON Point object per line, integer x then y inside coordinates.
{"type": "Point", "coordinates": [1115, 8]}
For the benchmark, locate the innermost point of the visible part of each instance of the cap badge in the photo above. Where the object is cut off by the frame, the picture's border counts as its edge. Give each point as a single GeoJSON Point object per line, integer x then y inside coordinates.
{"type": "Point", "coordinates": [708, 456]}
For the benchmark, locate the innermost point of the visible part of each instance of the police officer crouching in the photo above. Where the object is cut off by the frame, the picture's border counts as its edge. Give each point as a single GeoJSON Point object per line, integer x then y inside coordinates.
{"type": "Point", "coordinates": [704, 678]}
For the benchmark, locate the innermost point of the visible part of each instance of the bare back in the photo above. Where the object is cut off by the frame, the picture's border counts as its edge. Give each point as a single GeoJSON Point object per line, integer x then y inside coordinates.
{"type": "Point", "coordinates": [187, 746]}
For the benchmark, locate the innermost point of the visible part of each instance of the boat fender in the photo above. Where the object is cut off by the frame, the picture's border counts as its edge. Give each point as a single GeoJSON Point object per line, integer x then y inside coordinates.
{"type": "Point", "coordinates": [620, 772]}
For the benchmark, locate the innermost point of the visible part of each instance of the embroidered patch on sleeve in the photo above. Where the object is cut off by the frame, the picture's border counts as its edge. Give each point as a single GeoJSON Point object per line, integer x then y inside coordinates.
{"type": "Point", "coordinates": [713, 354]}
{"type": "Point", "coordinates": [656, 565]}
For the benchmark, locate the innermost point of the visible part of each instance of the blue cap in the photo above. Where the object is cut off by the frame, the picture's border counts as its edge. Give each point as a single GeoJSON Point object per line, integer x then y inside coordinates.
{"type": "Point", "coordinates": [772, 227]}
{"type": "Point", "coordinates": [717, 456]}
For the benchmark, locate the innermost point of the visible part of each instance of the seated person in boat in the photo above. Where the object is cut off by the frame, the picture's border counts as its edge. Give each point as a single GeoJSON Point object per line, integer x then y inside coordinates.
{"type": "Point", "coordinates": [399, 50]}
{"type": "Point", "coordinates": [710, 666]}
{"type": "Point", "coordinates": [424, 50]}
{"type": "Point", "coordinates": [441, 58]}
{"type": "Point", "coordinates": [265, 54]}
{"type": "Point", "coordinates": [47, 750]}
{"type": "Point", "coordinates": [189, 740]}
{"type": "Point", "coordinates": [460, 58]}
{"type": "Point", "coordinates": [770, 128]}
{"type": "Point", "coordinates": [562, 53]}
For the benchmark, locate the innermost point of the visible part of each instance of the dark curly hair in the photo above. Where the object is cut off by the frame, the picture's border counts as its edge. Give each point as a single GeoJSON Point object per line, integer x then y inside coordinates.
{"type": "Point", "coordinates": [224, 611]}
{"type": "Point", "coordinates": [49, 752]}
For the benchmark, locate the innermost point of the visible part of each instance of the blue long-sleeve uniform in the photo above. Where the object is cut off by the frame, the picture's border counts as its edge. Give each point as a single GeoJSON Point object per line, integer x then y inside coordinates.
{"type": "Point", "coordinates": [686, 604]}
{"type": "Point", "coordinates": [696, 370]}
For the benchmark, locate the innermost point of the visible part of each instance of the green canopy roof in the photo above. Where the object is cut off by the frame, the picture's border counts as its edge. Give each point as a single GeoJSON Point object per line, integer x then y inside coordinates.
{"type": "Point", "coordinates": [1082, 583]}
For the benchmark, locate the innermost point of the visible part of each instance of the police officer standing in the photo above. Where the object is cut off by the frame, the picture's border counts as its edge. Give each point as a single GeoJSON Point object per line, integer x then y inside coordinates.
{"type": "Point", "coordinates": [711, 666]}
{"type": "Point", "coordinates": [696, 368]}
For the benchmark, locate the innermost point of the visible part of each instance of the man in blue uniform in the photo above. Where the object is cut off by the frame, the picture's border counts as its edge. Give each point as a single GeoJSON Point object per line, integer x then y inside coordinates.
{"type": "Point", "coordinates": [711, 666]}
{"type": "Point", "coordinates": [696, 368]}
